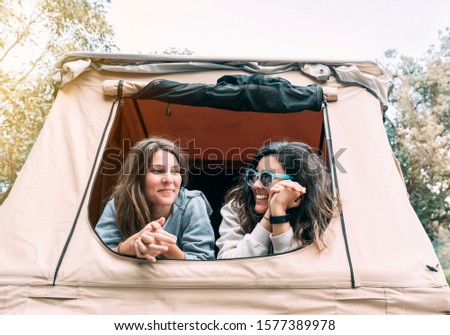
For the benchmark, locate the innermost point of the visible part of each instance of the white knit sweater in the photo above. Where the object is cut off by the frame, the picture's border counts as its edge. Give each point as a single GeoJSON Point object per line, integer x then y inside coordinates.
{"type": "Point", "coordinates": [234, 243]}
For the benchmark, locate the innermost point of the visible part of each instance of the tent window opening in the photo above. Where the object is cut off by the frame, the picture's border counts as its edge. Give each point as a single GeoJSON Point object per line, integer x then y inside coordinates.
{"type": "Point", "coordinates": [219, 142]}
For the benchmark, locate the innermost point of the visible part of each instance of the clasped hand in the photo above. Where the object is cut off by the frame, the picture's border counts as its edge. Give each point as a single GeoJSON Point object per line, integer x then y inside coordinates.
{"type": "Point", "coordinates": [284, 195]}
{"type": "Point", "coordinates": [153, 241]}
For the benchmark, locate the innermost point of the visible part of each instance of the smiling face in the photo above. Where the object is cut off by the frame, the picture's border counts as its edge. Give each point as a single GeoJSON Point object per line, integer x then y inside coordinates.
{"type": "Point", "coordinates": [267, 163]}
{"type": "Point", "coordinates": [162, 182]}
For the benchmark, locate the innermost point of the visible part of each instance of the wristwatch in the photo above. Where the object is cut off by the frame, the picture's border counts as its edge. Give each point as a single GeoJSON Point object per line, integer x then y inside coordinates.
{"type": "Point", "coordinates": [279, 219]}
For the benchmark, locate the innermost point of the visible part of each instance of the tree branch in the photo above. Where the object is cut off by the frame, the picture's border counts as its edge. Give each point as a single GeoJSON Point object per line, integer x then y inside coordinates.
{"type": "Point", "coordinates": [33, 66]}
{"type": "Point", "coordinates": [23, 34]}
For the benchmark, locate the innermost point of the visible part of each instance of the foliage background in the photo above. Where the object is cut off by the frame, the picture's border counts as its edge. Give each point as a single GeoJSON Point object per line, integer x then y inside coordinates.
{"type": "Point", "coordinates": [35, 34]}
{"type": "Point", "coordinates": [419, 132]}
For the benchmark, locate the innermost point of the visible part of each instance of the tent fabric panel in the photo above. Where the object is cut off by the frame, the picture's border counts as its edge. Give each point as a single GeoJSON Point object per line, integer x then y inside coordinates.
{"type": "Point", "coordinates": [38, 299]}
{"type": "Point", "coordinates": [238, 93]}
{"type": "Point", "coordinates": [211, 301]}
{"type": "Point", "coordinates": [326, 301]}
{"type": "Point", "coordinates": [204, 131]}
{"type": "Point", "coordinates": [12, 299]}
{"type": "Point", "coordinates": [101, 265]}
{"type": "Point", "coordinates": [382, 228]}
{"type": "Point", "coordinates": [38, 214]}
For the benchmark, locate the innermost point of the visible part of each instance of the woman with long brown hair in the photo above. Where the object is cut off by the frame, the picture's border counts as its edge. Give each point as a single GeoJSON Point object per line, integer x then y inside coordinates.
{"type": "Point", "coordinates": [283, 202]}
{"type": "Point", "coordinates": [151, 214]}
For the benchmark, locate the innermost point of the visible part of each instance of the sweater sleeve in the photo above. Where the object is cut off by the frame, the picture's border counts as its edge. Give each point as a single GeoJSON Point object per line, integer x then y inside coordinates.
{"type": "Point", "coordinates": [234, 243]}
{"type": "Point", "coordinates": [285, 242]}
{"type": "Point", "coordinates": [197, 238]}
{"type": "Point", "coordinates": [106, 227]}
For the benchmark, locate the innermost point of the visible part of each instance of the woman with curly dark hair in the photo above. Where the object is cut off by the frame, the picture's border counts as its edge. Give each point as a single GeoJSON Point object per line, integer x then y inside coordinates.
{"type": "Point", "coordinates": [283, 202]}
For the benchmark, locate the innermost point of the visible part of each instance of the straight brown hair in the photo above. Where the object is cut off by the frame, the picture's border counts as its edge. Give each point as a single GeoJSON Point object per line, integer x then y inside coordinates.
{"type": "Point", "coordinates": [132, 208]}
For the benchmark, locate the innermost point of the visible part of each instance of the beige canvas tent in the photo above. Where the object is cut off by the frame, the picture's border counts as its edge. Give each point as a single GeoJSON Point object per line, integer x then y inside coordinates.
{"type": "Point", "coordinates": [378, 261]}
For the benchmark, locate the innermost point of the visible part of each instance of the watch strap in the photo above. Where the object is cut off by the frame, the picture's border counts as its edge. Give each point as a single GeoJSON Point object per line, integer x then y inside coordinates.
{"type": "Point", "coordinates": [279, 219]}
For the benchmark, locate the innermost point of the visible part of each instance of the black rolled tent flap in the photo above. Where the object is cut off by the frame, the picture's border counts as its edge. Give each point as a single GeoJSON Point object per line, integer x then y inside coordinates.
{"type": "Point", "coordinates": [256, 93]}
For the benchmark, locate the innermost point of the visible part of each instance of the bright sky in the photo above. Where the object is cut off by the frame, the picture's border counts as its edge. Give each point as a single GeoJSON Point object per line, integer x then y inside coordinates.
{"type": "Point", "coordinates": [325, 29]}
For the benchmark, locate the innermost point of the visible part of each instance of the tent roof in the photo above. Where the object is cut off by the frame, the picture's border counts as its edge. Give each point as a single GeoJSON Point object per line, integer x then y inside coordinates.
{"type": "Point", "coordinates": [367, 74]}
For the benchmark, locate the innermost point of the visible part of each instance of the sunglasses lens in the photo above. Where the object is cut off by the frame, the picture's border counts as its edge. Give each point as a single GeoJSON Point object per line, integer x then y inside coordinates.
{"type": "Point", "coordinates": [266, 179]}
{"type": "Point", "coordinates": [251, 177]}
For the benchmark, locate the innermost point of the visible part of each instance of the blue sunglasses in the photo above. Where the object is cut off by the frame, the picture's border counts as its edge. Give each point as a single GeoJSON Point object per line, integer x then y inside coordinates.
{"type": "Point", "coordinates": [266, 178]}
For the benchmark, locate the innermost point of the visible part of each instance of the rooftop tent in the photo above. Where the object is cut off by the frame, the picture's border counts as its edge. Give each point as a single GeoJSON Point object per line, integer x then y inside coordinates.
{"type": "Point", "coordinates": [378, 261]}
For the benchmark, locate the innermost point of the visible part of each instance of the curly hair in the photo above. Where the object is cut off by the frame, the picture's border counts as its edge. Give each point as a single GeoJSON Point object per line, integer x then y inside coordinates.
{"type": "Point", "coordinates": [310, 220]}
{"type": "Point", "coordinates": [132, 209]}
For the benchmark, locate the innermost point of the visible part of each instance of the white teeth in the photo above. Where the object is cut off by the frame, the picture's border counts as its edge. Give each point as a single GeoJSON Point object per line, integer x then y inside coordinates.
{"type": "Point", "coordinates": [261, 197]}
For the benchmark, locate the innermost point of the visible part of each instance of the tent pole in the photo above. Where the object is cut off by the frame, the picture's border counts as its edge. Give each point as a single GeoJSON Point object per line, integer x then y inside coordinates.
{"type": "Point", "coordinates": [335, 184]}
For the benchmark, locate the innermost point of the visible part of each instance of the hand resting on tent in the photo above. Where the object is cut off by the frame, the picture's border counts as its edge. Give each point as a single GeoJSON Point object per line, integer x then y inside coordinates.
{"type": "Point", "coordinates": [153, 241]}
